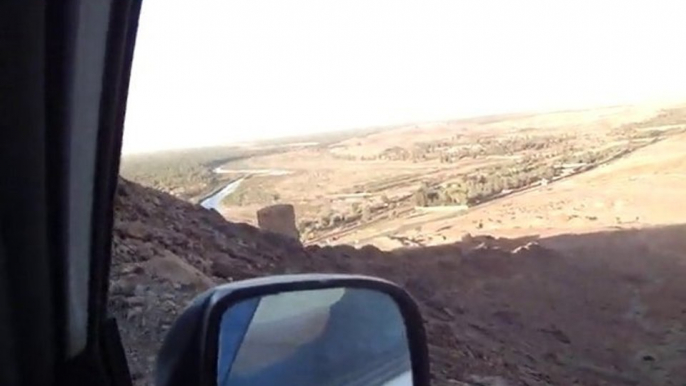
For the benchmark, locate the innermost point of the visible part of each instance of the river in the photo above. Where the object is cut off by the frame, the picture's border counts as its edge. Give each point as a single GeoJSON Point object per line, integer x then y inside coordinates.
{"type": "Point", "coordinates": [214, 201]}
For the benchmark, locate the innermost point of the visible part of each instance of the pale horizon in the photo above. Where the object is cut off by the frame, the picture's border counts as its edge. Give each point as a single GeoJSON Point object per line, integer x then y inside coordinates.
{"type": "Point", "coordinates": [215, 73]}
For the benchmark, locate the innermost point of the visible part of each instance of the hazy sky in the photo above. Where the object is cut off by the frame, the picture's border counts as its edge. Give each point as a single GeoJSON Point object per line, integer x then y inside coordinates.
{"type": "Point", "coordinates": [211, 72]}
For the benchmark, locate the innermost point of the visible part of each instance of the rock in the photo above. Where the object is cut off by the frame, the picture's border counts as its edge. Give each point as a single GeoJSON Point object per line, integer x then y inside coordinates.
{"type": "Point", "coordinates": [454, 382]}
{"type": "Point", "coordinates": [125, 286]}
{"type": "Point", "coordinates": [487, 380]}
{"type": "Point", "coordinates": [482, 246]}
{"type": "Point", "coordinates": [135, 301]}
{"type": "Point", "coordinates": [558, 334]}
{"type": "Point", "coordinates": [135, 229]}
{"type": "Point", "coordinates": [467, 238]}
{"type": "Point", "coordinates": [530, 246]}
{"type": "Point", "coordinates": [139, 290]}
{"type": "Point", "coordinates": [167, 296]}
{"type": "Point", "coordinates": [146, 251]}
{"type": "Point", "coordinates": [172, 268]}
{"type": "Point", "coordinates": [171, 305]}
{"type": "Point", "coordinates": [370, 251]}
{"type": "Point", "coordinates": [136, 374]}
{"type": "Point", "coordinates": [134, 312]}
{"type": "Point", "coordinates": [280, 219]}
{"type": "Point", "coordinates": [222, 268]}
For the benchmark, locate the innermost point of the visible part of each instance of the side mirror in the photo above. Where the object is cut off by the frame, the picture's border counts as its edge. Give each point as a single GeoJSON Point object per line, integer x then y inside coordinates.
{"type": "Point", "coordinates": [298, 330]}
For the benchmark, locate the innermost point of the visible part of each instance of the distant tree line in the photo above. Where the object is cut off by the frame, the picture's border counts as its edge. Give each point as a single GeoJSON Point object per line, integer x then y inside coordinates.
{"type": "Point", "coordinates": [186, 173]}
{"type": "Point", "coordinates": [479, 187]}
{"type": "Point", "coordinates": [529, 170]}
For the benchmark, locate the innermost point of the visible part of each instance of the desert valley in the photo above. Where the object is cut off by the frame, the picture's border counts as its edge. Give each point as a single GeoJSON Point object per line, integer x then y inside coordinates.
{"type": "Point", "coordinates": [543, 248]}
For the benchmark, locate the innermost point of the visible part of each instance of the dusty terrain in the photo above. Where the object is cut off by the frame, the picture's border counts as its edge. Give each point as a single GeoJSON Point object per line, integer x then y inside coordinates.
{"type": "Point", "coordinates": [599, 308]}
{"type": "Point", "coordinates": [360, 190]}
{"type": "Point", "coordinates": [640, 190]}
{"type": "Point", "coordinates": [575, 281]}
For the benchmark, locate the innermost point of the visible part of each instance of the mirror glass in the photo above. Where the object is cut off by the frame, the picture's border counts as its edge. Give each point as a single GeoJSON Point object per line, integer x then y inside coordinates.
{"type": "Point", "coordinates": [337, 336]}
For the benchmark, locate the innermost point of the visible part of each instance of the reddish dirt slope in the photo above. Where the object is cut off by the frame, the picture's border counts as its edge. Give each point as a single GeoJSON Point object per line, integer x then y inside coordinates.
{"type": "Point", "coordinates": [593, 309]}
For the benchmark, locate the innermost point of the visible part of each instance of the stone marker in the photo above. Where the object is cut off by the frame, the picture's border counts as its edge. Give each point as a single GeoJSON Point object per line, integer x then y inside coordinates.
{"type": "Point", "coordinates": [278, 218]}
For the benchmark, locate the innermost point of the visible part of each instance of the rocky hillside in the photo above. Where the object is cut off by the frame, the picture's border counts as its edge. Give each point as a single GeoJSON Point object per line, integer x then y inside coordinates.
{"type": "Point", "coordinates": [498, 312]}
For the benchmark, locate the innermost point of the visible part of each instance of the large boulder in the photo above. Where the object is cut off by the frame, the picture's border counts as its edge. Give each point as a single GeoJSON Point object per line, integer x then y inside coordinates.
{"type": "Point", "coordinates": [280, 219]}
{"type": "Point", "coordinates": [172, 268]}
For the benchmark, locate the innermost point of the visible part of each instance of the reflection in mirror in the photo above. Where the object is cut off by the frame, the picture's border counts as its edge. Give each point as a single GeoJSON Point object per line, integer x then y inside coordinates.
{"type": "Point", "coordinates": [338, 336]}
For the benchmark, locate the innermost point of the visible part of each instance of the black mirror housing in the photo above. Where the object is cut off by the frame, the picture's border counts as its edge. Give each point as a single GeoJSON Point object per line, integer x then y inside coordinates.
{"type": "Point", "coordinates": [190, 351]}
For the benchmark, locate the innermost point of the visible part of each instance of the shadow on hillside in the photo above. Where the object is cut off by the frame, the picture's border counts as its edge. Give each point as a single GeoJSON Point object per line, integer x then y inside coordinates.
{"type": "Point", "coordinates": [604, 308]}
{"type": "Point", "coordinates": [666, 240]}
{"type": "Point", "coordinates": [595, 308]}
